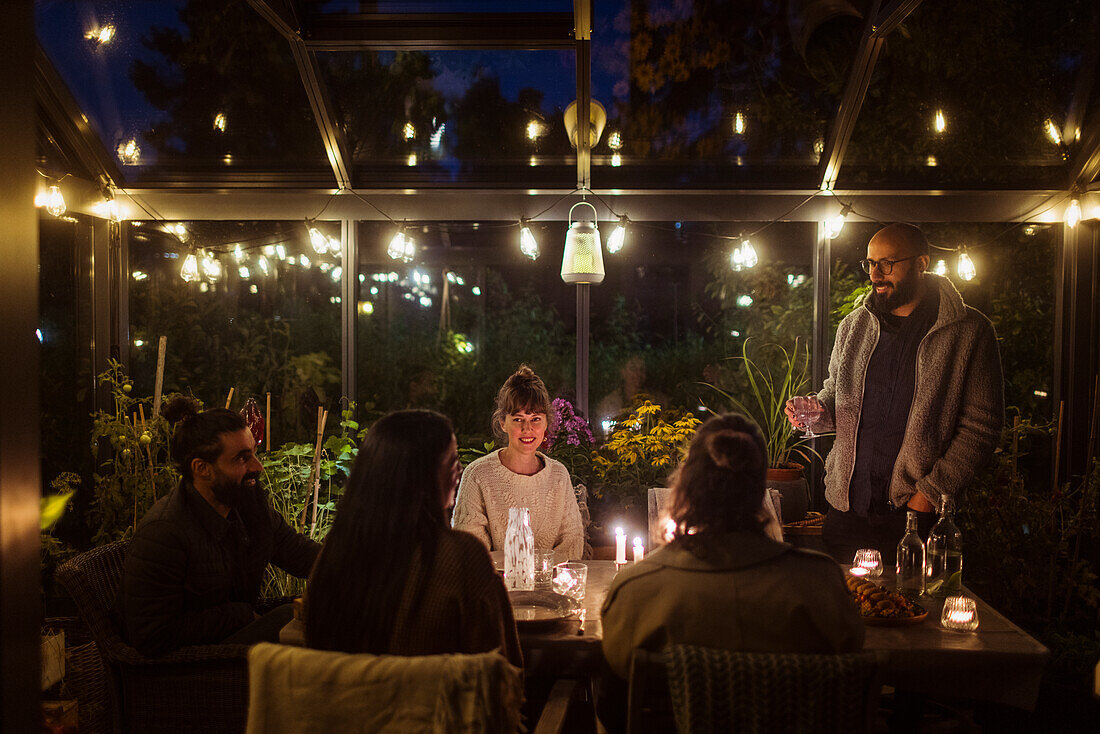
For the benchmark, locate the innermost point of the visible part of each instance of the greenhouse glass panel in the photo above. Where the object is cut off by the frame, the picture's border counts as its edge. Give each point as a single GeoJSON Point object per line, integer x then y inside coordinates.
{"type": "Point", "coordinates": [725, 94]}
{"type": "Point", "coordinates": [183, 85]}
{"type": "Point", "coordinates": [455, 117]}
{"type": "Point", "coordinates": [972, 94]}
{"type": "Point", "coordinates": [436, 6]}
{"type": "Point", "coordinates": [251, 306]}
{"type": "Point", "coordinates": [446, 328]}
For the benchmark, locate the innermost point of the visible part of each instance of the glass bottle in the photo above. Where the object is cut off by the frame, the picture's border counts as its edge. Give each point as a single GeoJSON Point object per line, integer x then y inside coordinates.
{"type": "Point", "coordinates": [945, 560]}
{"type": "Point", "coordinates": [910, 568]}
{"type": "Point", "coordinates": [519, 551]}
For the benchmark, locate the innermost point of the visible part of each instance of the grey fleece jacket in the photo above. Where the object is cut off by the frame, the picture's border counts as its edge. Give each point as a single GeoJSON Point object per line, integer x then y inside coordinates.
{"type": "Point", "coordinates": [957, 411]}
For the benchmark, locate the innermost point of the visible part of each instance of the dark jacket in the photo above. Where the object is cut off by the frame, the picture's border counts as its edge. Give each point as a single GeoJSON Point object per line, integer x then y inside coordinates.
{"type": "Point", "coordinates": [748, 593]}
{"type": "Point", "coordinates": [192, 577]}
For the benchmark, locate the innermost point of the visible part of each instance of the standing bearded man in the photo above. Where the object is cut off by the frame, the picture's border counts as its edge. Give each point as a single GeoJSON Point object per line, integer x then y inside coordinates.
{"type": "Point", "coordinates": [915, 394]}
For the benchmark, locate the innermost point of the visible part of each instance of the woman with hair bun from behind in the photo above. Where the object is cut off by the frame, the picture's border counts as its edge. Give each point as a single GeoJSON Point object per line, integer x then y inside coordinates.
{"type": "Point", "coordinates": [722, 582]}
{"type": "Point", "coordinates": [519, 475]}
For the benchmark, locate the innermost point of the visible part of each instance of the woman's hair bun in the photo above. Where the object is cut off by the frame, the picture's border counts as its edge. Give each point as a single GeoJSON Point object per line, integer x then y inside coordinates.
{"type": "Point", "coordinates": [180, 408]}
{"type": "Point", "coordinates": [525, 373]}
{"type": "Point", "coordinates": [731, 449]}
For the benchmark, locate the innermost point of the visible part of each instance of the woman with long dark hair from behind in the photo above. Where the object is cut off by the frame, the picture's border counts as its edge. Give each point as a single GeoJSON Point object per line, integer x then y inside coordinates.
{"type": "Point", "coordinates": [722, 582]}
{"type": "Point", "coordinates": [392, 578]}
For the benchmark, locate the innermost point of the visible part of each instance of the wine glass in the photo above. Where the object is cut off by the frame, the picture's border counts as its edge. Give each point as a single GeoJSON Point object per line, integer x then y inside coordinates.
{"type": "Point", "coordinates": [808, 411]}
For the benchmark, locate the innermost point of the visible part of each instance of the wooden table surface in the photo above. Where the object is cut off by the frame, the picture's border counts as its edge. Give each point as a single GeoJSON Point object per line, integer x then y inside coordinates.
{"type": "Point", "coordinates": [998, 663]}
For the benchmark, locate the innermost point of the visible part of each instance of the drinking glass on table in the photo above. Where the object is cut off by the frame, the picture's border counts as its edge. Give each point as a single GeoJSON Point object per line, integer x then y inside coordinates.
{"type": "Point", "coordinates": [808, 410]}
{"type": "Point", "coordinates": [570, 580]}
{"type": "Point", "coordinates": [544, 568]}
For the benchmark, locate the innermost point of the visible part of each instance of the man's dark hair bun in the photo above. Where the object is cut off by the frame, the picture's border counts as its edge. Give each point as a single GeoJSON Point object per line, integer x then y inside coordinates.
{"type": "Point", "coordinates": [180, 408]}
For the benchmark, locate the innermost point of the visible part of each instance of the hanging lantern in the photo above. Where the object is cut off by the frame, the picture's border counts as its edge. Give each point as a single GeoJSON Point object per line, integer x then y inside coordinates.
{"type": "Point", "coordinates": [583, 258]}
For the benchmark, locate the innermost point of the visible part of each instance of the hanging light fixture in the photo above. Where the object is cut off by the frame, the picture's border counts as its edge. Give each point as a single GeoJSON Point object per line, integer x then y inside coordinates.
{"type": "Point", "coordinates": [940, 268]}
{"type": "Point", "coordinates": [528, 245]}
{"type": "Point", "coordinates": [190, 269]}
{"type": "Point", "coordinates": [238, 253]}
{"type": "Point", "coordinates": [583, 258]}
{"type": "Point", "coordinates": [1052, 132]}
{"type": "Point", "coordinates": [211, 266]}
{"type": "Point", "coordinates": [1073, 213]}
{"type": "Point", "coordinates": [739, 123]}
{"type": "Point", "coordinates": [618, 237]}
{"type": "Point", "coordinates": [939, 122]}
{"type": "Point", "coordinates": [966, 268]}
{"type": "Point", "coordinates": [834, 224]}
{"type": "Point", "coordinates": [54, 201]}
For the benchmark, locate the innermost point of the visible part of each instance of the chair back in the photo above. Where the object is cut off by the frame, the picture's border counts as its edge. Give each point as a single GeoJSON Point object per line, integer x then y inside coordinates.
{"type": "Point", "coordinates": [93, 580]}
{"type": "Point", "coordinates": [725, 691]}
{"type": "Point", "coordinates": [294, 690]}
{"type": "Point", "coordinates": [648, 706]}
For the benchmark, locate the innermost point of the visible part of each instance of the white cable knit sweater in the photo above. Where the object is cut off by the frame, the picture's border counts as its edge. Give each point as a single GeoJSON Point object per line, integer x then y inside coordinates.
{"type": "Point", "coordinates": [488, 489]}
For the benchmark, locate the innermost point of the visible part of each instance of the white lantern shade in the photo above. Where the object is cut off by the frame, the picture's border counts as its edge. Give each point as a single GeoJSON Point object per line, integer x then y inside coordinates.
{"type": "Point", "coordinates": [583, 258]}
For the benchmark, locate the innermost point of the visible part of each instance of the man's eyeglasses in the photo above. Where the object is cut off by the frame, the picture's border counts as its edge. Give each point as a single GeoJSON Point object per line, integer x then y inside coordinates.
{"type": "Point", "coordinates": [886, 266]}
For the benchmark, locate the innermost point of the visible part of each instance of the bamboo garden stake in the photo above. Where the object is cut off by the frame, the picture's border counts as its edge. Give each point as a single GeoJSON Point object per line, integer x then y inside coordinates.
{"type": "Point", "coordinates": [267, 423]}
{"type": "Point", "coordinates": [229, 398]}
{"type": "Point", "coordinates": [162, 347]}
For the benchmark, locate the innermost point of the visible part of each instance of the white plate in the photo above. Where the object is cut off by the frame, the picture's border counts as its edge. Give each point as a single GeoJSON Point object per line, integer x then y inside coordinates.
{"type": "Point", "coordinates": [537, 608]}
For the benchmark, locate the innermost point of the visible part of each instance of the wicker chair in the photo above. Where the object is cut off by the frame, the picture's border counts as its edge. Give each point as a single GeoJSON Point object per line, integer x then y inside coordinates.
{"type": "Point", "coordinates": [202, 688]}
{"type": "Point", "coordinates": [724, 691]}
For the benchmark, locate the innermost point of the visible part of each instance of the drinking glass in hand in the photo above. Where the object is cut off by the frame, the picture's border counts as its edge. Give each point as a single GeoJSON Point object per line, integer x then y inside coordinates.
{"type": "Point", "coordinates": [808, 412]}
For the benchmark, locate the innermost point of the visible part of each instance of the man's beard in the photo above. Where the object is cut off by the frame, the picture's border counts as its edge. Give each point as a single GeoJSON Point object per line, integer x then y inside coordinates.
{"type": "Point", "coordinates": [902, 293]}
{"type": "Point", "coordinates": [231, 493]}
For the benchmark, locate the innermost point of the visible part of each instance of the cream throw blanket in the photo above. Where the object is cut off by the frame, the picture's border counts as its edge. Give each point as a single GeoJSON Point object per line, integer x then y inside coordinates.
{"type": "Point", "coordinates": [294, 690]}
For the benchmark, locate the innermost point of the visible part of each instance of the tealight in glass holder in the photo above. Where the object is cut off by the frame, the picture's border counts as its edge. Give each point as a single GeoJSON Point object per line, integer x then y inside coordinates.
{"type": "Point", "coordinates": [960, 613]}
{"type": "Point", "coordinates": [870, 559]}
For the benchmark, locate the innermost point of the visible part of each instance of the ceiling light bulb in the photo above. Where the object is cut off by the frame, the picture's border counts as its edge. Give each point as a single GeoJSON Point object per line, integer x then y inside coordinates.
{"type": "Point", "coordinates": [528, 245]}
{"type": "Point", "coordinates": [190, 269]}
{"type": "Point", "coordinates": [318, 241]}
{"type": "Point", "coordinates": [1073, 213]}
{"type": "Point", "coordinates": [966, 268]}
{"type": "Point", "coordinates": [55, 201]}
{"type": "Point", "coordinates": [618, 237]}
{"type": "Point", "coordinates": [939, 123]}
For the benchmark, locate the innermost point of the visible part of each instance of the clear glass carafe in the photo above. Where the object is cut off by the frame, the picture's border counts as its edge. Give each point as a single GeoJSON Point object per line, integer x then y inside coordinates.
{"type": "Point", "coordinates": [519, 551]}
{"type": "Point", "coordinates": [944, 555]}
{"type": "Point", "coordinates": [910, 566]}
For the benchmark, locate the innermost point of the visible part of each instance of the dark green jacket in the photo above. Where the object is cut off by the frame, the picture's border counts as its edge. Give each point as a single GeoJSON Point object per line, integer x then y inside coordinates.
{"type": "Point", "coordinates": [191, 577]}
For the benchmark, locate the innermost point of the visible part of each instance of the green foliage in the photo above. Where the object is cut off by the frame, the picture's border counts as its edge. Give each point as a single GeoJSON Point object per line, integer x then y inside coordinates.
{"type": "Point", "coordinates": [1026, 545]}
{"type": "Point", "coordinates": [286, 479]}
{"type": "Point", "coordinates": [774, 376]}
{"type": "Point", "coordinates": [641, 452]}
{"type": "Point", "coordinates": [133, 470]}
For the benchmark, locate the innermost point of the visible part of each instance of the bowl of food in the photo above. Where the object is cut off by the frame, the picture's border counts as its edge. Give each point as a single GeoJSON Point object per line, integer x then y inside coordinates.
{"type": "Point", "coordinates": [882, 607]}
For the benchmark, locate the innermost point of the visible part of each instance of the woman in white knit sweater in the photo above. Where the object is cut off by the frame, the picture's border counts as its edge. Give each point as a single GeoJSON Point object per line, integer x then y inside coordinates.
{"type": "Point", "coordinates": [519, 475]}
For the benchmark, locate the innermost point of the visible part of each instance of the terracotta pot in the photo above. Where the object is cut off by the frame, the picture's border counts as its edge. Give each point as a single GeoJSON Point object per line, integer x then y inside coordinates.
{"type": "Point", "coordinates": [794, 491]}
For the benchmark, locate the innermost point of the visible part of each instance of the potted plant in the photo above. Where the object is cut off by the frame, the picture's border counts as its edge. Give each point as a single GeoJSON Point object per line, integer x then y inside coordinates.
{"type": "Point", "coordinates": [772, 375]}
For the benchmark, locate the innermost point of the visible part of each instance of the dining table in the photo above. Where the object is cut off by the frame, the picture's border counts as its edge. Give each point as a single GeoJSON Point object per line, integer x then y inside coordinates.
{"type": "Point", "coordinates": [998, 663]}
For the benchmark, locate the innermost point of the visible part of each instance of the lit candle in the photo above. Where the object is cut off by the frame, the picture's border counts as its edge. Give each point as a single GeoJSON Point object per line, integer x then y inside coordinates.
{"type": "Point", "coordinates": [961, 616]}
{"type": "Point", "coordinates": [620, 545]}
{"type": "Point", "coordinates": [639, 551]}
{"type": "Point", "coordinates": [859, 571]}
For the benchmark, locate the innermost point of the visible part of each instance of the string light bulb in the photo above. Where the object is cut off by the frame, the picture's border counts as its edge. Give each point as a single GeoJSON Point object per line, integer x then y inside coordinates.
{"type": "Point", "coordinates": [1073, 213]}
{"type": "Point", "coordinates": [616, 160]}
{"type": "Point", "coordinates": [739, 123]}
{"type": "Point", "coordinates": [409, 131]}
{"type": "Point", "coordinates": [401, 247]}
{"type": "Point", "coordinates": [263, 266]}
{"type": "Point", "coordinates": [534, 129]}
{"type": "Point", "coordinates": [528, 245]}
{"type": "Point", "coordinates": [744, 256]}
{"type": "Point", "coordinates": [54, 201]}
{"type": "Point", "coordinates": [243, 273]}
{"type": "Point", "coordinates": [940, 267]}
{"type": "Point", "coordinates": [129, 152]}
{"type": "Point", "coordinates": [303, 261]}
{"type": "Point", "coordinates": [966, 268]}
{"type": "Point", "coordinates": [336, 274]}
{"type": "Point", "coordinates": [1052, 131]}
{"type": "Point", "coordinates": [280, 251]}
{"type": "Point", "coordinates": [219, 122]}
{"type": "Point", "coordinates": [102, 35]}
{"type": "Point", "coordinates": [939, 122]}
{"type": "Point", "coordinates": [615, 140]}
{"type": "Point", "coordinates": [834, 224]}
{"type": "Point", "coordinates": [189, 271]}
{"type": "Point", "coordinates": [211, 266]}
{"type": "Point", "coordinates": [618, 237]}
{"type": "Point", "coordinates": [318, 241]}
{"type": "Point", "coordinates": [334, 245]}
{"type": "Point", "coordinates": [238, 253]}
